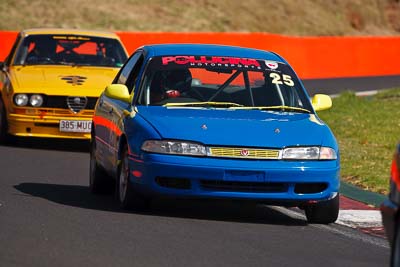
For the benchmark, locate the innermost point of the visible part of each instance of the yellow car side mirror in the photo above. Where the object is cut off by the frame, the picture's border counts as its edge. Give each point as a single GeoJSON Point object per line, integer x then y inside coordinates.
{"type": "Point", "coordinates": [119, 92]}
{"type": "Point", "coordinates": [321, 102]}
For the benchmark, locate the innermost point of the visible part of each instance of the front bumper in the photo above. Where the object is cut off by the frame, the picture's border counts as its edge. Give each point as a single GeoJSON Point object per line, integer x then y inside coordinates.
{"type": "Point", "coordinates": [389, 211]}
{"type": "Point", "coordinates": [290, 183]}
{"type": "Point", "coordinates": [45, 126]}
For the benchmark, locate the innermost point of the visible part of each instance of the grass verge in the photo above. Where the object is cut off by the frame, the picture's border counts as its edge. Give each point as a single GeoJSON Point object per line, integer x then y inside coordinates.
{"type": "Point", "coordinates": [367, 130]}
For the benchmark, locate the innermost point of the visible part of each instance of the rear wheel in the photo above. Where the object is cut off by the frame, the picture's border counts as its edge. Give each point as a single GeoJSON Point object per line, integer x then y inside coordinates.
{"type": "Point", "coordinates": [323, 212]}
{"type": "Point", "coordinates": [99, 181]}
{"type": "Point", "coordinates": [128, 198]}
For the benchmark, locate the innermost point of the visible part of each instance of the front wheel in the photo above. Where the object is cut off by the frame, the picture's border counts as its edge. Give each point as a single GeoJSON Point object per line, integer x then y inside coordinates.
{"type": "Point", "coordinates": [395, 251]}
{"type": "Point", "coordinates": [128, 198]}
{"type": "Point", "coordinates": [323, 212]}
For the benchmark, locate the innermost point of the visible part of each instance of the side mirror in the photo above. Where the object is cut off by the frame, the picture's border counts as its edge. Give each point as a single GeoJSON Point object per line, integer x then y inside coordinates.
{"type": "Point", "coordinates": [321, 102]}
{"type": "Point", "coordinates": [118, 91]}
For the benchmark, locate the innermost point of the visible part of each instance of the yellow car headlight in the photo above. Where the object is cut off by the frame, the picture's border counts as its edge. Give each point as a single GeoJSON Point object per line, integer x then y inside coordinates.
{"type": "Point", "coordinates": [21, 100]}
{"type": "Point", "coordinates": [36, 100]}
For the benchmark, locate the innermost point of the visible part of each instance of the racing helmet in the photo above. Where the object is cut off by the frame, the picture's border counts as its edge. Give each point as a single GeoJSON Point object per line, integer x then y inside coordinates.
{"type": "Point", "coordinates": [178, 79]}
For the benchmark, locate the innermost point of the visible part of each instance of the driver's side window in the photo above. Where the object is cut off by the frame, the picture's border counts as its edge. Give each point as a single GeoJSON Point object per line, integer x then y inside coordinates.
{"type": "Point", "coordinates": [127, 72]}
{"type": "Point", "coordinates": [132, 78]}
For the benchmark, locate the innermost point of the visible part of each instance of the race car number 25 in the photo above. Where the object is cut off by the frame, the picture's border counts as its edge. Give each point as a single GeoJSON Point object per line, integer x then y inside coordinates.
{"type": "Point", "coordinates": [75, 126]}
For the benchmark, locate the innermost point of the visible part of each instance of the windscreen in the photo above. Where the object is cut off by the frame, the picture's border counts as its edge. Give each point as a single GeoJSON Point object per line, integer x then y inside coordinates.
{"type": "Point", "coordinates": [70, 50]}
{"type": "Point", "coordinates": [222, 82]}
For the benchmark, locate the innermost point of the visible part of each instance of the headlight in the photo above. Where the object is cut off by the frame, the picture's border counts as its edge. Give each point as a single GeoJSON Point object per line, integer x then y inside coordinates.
{"type": "Point", "coordinates": [309, 153]}
{"type": "Point", "coordinates": [36, 100]}
{"type": "Point", "coordinates": [174, 147]}
{"type": "Point", "coordinates": [21, 100]}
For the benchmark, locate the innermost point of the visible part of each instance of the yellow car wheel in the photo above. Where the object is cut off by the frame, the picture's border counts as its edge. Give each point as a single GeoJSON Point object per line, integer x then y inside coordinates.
{"type": "Point", "coordinates": [3, 123]}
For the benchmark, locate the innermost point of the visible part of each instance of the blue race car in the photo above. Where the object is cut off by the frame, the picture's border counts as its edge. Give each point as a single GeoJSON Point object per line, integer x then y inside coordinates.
{"type": "Point", "coordinates": [219, 122]}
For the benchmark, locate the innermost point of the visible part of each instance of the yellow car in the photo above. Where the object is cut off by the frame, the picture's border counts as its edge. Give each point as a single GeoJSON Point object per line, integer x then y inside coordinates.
{"type": "Point", "coordinates": [51, 79]}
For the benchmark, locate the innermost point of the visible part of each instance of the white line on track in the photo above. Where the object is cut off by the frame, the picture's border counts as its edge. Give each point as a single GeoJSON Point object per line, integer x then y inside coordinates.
{"type": "Point", "coordinates": [360, 218]}
{"type": "Point", "coordinates": [336, 228]}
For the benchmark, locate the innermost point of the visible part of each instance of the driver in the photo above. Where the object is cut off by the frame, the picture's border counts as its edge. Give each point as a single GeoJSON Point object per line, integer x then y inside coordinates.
{"type": "Point", "coordinates": [170, 84]}
{"type": "Point", "coordinates": [43, 50]}
{"type": "Point", "coordinates": [178, 80]}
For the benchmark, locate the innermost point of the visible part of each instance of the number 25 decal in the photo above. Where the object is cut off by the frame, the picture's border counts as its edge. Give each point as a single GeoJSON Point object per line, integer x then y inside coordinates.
{"type": "Point", "coordinates": [277, 79]}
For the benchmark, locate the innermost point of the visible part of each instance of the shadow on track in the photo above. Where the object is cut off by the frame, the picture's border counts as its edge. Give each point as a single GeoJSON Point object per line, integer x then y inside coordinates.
{"type": "Point", "coordinates": [72, 145]}
{"type": "Point", "coordinates": [79, 196]}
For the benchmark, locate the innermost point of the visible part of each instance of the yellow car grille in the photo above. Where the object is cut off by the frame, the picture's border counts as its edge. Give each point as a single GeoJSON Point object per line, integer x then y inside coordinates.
{"type": "Point", "coordinates": [249, 153]}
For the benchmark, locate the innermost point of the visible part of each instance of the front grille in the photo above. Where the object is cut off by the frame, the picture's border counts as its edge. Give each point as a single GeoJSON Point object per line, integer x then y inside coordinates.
{"type": "Point", "coordinates": [76, 103]}
{"type": "Point", "coordinates": [62, 102]}
{"type": "Point", "coordinates": [310, 188]}
{"type": "Point", "coordinates": [251, 153]}
{"type": "Point", "coordinates": [251, 187]}
{"type": "Point", "coordinates": [177, 183]}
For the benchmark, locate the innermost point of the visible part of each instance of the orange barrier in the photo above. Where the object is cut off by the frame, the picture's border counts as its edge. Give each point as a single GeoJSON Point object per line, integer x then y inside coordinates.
{"type": "Point", "coordinates": [7, 39]}
{"type": "Point", "coordinates": [311, 57]}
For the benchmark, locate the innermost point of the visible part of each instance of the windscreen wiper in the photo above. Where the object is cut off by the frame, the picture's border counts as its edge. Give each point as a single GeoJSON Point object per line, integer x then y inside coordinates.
{"type": "Point", "coordinates": [204, 104]}
{"type": "Point", "coordinates": [282, 108]}
{"type": "Point", "coordinates": [74, 64]}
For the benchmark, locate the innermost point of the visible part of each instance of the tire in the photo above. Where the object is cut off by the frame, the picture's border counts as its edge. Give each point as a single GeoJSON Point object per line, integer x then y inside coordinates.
{"type": "Point", "coordinates": [395, 249]}
{"type": "Point", "coordinates": [3, 124]}
{"type": "Point", "coordinates": [99, 181]}
{"type": "Point", "coordinates": [323, 212]}
{"type": "Point", "coordinates": [127, 197]}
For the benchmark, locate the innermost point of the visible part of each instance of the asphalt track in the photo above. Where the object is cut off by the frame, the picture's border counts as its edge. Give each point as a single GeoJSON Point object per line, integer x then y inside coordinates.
{"type": "Point", "coordinates": [49, 218]}
{"type": "Point", "coordinates": [357, 84]}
